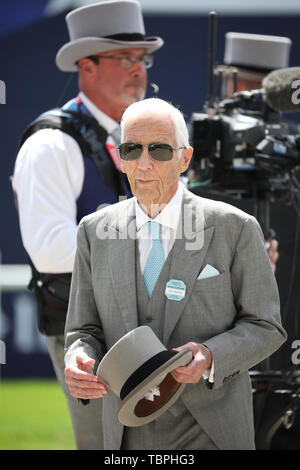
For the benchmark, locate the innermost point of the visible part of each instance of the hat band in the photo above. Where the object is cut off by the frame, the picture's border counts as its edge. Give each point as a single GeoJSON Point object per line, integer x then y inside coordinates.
{"type": "Point", "coordinates": [126, 37]}
{"type": "Point", "coordinates": [256, 69]}
{"type": "Point", "coordinates": [142, 372]}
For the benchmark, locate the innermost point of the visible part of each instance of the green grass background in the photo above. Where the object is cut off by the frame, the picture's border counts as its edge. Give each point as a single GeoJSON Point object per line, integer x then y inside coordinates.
{"type": "Point", "coordinates": [34, 416]}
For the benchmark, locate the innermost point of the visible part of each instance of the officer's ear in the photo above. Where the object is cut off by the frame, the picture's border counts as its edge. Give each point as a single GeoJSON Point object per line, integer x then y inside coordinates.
{"type": "Point", "coordinates": [86, 66]}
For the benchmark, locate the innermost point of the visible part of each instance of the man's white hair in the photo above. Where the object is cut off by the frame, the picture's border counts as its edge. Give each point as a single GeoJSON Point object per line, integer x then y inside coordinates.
{"type": "Point", "coordinates": [159, 107]}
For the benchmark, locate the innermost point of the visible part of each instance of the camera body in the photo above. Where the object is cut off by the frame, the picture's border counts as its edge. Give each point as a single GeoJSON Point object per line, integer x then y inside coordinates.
{"type": "Point", "coordinates": [243, 149]}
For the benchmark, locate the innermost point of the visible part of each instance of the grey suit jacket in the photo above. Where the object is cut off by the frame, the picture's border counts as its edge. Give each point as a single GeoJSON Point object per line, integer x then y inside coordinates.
{"type": "Point", "coordinates": [235, 314]}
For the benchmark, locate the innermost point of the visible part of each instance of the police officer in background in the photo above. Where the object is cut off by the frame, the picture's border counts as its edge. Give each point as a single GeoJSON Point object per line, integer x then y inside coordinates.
{"type": "Point", "coordinates": [252, 57]}
{"type": "Point", "coordinates": [56, 183]}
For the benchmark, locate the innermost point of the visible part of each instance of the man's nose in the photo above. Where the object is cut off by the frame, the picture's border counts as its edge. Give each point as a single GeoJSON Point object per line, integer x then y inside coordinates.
{"type": "Point", "coordinates": [138, 69]}
{"type": "Point", "coordinates": [145, 161]}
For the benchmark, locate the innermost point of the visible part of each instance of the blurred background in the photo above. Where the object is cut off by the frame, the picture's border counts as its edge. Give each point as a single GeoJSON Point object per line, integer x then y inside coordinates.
{"type": "Point", "coordinates": [31, 32]}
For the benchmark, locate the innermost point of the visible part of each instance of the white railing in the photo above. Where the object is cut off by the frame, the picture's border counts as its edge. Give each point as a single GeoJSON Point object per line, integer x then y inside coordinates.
{"type": "Point", "coordinates": [20, 321]}
{"type": "Point", "coordinates": [14, 277]}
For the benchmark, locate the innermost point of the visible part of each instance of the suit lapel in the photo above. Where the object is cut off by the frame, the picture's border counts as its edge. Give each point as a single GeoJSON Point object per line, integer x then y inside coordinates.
{"type": "Point", "coordinates": [121, 236]}
{"type": "Point", "coordinates": [188, 255]}
{"type": "Point", "coordinates": [189, 251]}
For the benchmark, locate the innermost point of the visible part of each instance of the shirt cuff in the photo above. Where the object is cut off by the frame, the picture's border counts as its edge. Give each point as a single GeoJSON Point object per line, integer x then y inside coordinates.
{"type": "Point", "coordinates": [210, 373]}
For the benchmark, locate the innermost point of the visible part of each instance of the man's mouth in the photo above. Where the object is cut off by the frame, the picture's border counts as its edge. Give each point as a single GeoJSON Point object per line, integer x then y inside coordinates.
{"type": "Point", "coordinates": [136, 84]}
{"type": "Point", "coordinates": [144, 181]}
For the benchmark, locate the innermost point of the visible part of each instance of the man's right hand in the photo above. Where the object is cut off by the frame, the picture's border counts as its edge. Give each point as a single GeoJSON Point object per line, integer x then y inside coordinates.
{"type": "Point", "coordinates": [82, 382]}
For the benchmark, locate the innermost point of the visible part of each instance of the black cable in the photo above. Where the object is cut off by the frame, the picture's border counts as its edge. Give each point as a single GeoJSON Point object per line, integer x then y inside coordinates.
{"type": "Point", "coordinates": [297, 201]}
{"type": "Point", "coordinates": [293, 270]}
{"type": "Point", "coordinates": [67, 84]}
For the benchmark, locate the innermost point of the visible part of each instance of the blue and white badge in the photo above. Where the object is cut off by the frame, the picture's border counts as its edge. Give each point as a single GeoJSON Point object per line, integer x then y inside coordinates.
{"type": "Point", "coordinates": [175, 290]}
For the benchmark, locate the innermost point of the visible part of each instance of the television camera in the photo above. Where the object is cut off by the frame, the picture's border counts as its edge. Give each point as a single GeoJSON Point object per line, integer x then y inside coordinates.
{"type": "Point", "coordinates": [243, 149]}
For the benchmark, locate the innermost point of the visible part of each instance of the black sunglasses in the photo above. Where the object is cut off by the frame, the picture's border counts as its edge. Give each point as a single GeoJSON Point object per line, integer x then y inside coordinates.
{"type": "Point", "coordinates": [158, 151]}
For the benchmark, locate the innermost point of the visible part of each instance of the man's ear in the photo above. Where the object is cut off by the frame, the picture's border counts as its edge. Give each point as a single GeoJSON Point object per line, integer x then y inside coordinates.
{"type": "Point", "coordinates": [186, 158]}
{"type": "Point", "coordinates": [122, 165]}
{"type": "Point", "coordinates": [86, 66]}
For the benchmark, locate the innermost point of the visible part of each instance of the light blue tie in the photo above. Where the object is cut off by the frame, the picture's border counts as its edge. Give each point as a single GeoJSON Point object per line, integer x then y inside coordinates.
{"type": "Point", "coordinates": [156, 258]}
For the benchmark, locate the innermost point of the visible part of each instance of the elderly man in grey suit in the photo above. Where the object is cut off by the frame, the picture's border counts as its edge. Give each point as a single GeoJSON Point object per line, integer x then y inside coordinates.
{"type": "Point", "coordinates": [226, 308]}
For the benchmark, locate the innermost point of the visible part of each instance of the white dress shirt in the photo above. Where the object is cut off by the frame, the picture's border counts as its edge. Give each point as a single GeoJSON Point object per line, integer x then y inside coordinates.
{"type": "Point", "coordinates": [48, 178]}
{"type": "Point", "coordinates": [169, 219]}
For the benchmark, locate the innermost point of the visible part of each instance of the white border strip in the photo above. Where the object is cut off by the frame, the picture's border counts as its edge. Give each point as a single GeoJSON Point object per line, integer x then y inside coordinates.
{"type": "Point", "coordinates": [201, 7]}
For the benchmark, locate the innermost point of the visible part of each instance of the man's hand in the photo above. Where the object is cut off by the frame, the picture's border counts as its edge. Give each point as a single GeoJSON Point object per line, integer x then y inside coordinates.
{"type": "Point", "coordinates": [273, 253]}
{"type": "Point", "coordinates": [82, 382]}
{"type": "Point", "coordinates": [201, 361]}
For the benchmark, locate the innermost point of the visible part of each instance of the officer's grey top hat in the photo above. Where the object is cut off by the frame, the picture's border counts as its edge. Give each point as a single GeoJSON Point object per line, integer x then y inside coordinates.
{"type": "Point", "coordinates": [105, 26]}
{"type": "Point", "coordinates": [137, 369]}
{"type": "Point", "coordinates": [255, 52]}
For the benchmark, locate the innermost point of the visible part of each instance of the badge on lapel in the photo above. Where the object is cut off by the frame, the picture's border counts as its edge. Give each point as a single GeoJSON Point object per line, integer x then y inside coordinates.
{"type": "Point", "coordinates": [175, 290]}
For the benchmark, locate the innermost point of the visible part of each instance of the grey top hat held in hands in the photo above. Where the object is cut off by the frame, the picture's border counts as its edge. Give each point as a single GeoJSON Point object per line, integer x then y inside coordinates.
{"type": "Point", "coordinates": [137, 369]}
{"type": "Point", "coordinates": [101, 27]}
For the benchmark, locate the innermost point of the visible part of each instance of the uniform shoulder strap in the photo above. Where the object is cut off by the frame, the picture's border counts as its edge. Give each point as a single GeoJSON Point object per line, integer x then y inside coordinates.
{"type": "Point", "coordinates": [90, 136]}
{"type": "Point", "coordinates": [80, 126]}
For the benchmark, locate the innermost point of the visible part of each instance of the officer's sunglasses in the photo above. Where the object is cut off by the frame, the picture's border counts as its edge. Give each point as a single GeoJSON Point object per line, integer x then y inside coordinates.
{"type": "Point", "coordinates": [158, 151]}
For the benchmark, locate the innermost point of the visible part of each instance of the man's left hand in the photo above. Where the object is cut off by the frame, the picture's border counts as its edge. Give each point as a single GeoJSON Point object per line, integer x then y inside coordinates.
{"type": "Point", "coordinates": [201, 361]}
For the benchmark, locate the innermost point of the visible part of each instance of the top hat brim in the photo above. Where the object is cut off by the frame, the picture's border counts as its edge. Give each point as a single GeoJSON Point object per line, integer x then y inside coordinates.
{"type": "Point", "coordinates": [136, 410]}
{"type": "Point", "coordinates": [71, 52]}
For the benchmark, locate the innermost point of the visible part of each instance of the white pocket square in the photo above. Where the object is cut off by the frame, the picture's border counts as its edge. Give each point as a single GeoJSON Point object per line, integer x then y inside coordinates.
{"type": "Point", "coordinates": [208, 271]}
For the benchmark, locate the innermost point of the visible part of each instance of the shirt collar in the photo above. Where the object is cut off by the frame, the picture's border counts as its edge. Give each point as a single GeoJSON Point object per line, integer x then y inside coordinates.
{"type": "Point", "coordinates": [104, 120]}
{"type": "Point", "coordinates": [168, 217]}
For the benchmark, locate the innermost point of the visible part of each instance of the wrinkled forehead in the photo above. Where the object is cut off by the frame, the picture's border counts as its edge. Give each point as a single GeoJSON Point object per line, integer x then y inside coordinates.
{"type": "Point", "coordinates": [148, 123]}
